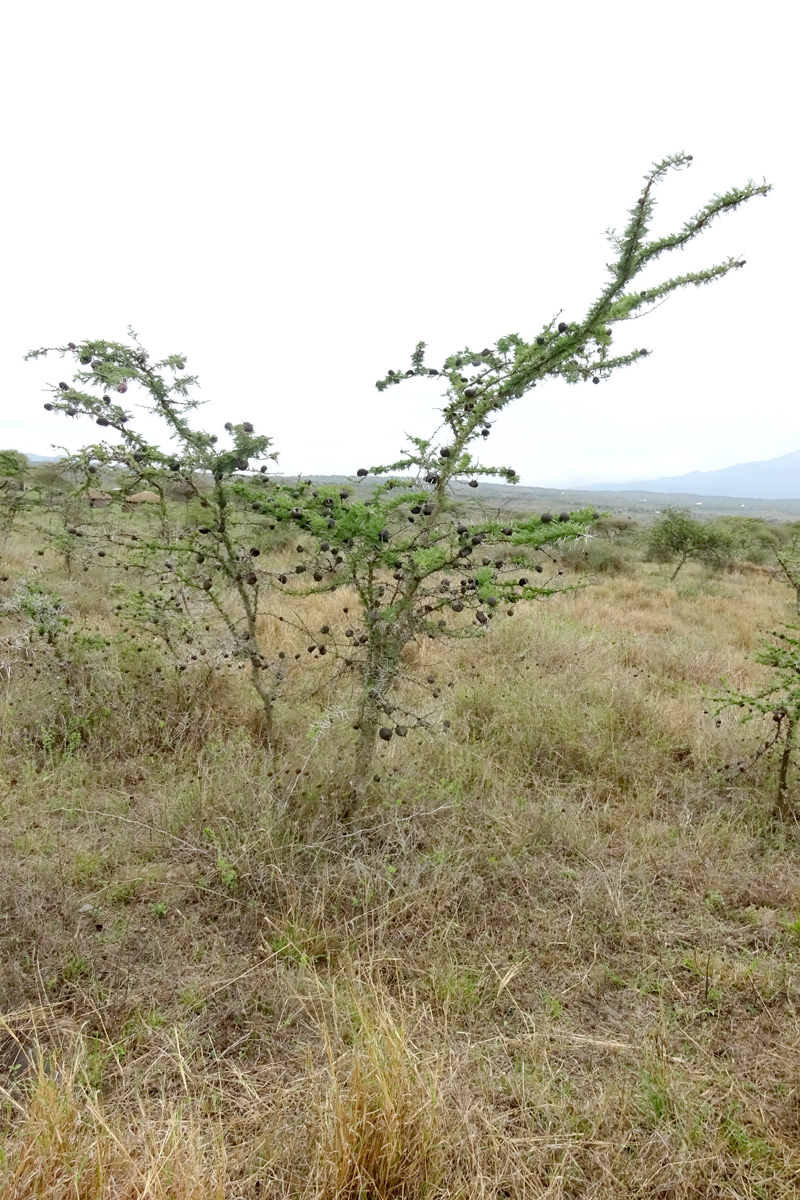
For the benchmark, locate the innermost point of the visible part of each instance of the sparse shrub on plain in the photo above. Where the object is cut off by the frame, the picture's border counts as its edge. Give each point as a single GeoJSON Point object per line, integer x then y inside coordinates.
{"type": "Point", "coordinates": [752, 540]}
{"type": "Point", "coordinates": [610, 526]}
{"type": "Point", "coordinates": [593, 556]}
{"type": "Point", "coordinates": [779, 700]}
{"type": "Point", "coordinates": [678, 537]}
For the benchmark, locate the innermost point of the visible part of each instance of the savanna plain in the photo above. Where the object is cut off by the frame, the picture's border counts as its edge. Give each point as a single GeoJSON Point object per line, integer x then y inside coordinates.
{"type": "Point", "coordinates": [557, 957]}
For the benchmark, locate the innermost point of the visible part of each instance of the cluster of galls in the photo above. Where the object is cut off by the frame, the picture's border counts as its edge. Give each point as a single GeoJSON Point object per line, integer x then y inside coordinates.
{"type": "Point", "coordinates": [276, 507]}
{"type": "Point", "coordinates": [322, 563]}
{"type": "Point", "coordinates": [486, 357]}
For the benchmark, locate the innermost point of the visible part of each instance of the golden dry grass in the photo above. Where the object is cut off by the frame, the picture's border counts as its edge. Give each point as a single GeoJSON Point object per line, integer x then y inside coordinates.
{"type": "Point", "coordinates": [559, 960]}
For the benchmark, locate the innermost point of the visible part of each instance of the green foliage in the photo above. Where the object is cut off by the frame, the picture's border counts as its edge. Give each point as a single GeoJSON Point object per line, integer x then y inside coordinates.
{"type": "Point", "coordinates": [677, 535]}
{"type": "Point", "coordinates": [14, 496]}
{"type": "Point", "coordinates": [13, 463]}
{"type": "Point", "coordinates": [751, 538]}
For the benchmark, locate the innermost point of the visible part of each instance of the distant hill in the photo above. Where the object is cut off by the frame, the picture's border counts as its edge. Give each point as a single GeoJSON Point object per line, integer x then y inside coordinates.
{"type": "Point", "coordinates": [37, 458]}
{"type": "Point", "coordinates": [771, 479]}
{"type": "Point", "coordinates": [495, 498]}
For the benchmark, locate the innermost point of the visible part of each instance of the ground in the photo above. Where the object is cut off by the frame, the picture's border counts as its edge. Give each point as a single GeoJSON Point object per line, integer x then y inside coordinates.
{"type": "Point", "coordinates": [558, 958]}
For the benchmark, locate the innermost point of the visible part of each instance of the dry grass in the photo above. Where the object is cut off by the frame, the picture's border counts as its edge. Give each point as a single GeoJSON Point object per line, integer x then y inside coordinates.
{"type": "Point", "coordinates": [559, 960]}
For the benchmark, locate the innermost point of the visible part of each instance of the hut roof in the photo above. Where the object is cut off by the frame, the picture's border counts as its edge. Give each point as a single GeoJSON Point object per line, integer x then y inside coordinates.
{"type": "Point", "coordinates": [144, 498]}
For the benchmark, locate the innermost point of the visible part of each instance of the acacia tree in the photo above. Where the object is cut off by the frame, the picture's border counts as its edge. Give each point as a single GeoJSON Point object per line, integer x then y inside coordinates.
{"type": "Point", "coordinates": [779, 700]}
{"type": "Point", "coordinates": [677, 535]}
{"type": "Point", "coordinates": [394, 547]}
{"type": "Point", "coordinates": [212, 558]}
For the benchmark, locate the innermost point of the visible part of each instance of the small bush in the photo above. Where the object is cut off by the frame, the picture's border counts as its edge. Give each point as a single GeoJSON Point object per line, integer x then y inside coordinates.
{"type": "Point", "coordinates": [597, 557]}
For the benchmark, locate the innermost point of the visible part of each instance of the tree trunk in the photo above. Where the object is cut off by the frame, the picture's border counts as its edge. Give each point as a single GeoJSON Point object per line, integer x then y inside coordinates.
{"type": "Point", "coordinates": [674, 575]}
{"type": "Point", "coordinates": [784, 810]}
{"type": "Point", "coordinates": [266, 700]}
{"type": "Point", "coordinates": [365, 751]}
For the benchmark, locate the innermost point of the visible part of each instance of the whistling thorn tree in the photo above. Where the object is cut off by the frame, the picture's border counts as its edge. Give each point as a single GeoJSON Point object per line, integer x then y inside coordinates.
{"type": "Point", "coordinates": [211, 558]}
{"type": "Point", "coordinates": [395, 547]}
{"type": "Point", "coordinates": [780, 700]}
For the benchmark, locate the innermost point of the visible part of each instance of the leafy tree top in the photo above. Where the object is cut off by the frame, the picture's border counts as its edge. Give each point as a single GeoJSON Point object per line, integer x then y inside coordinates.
{"type": "Point", "coordinates": [481, 383]}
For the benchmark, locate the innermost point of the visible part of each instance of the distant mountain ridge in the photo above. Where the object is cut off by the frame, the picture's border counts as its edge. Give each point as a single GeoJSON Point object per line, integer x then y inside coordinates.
{"type": "Point", "coordinates": [771, 479]}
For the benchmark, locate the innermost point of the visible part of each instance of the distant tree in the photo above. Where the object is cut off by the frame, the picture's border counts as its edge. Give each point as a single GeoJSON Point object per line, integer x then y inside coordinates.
{"type": "Point", "coordinates": [13, 463]}
{"type": "Point", "coordinates": [52, 480]}
{"type": "Point", "coordinates": [678, 535]}
{"type": "Point", "coordinates": [13, 500]}
{"type": "Point", "coordinates": [752, 539]}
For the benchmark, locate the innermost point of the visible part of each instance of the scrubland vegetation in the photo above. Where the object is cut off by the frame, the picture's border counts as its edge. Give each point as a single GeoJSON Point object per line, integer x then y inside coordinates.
{"type": "Point", "coordinates": [364, 843]}
{"type": "Point", "coordinates": [558, 957]}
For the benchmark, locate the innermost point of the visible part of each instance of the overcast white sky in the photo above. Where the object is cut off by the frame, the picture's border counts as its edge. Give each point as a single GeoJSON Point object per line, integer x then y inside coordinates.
{"type": "Point", "coordinates": [293, 194]}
